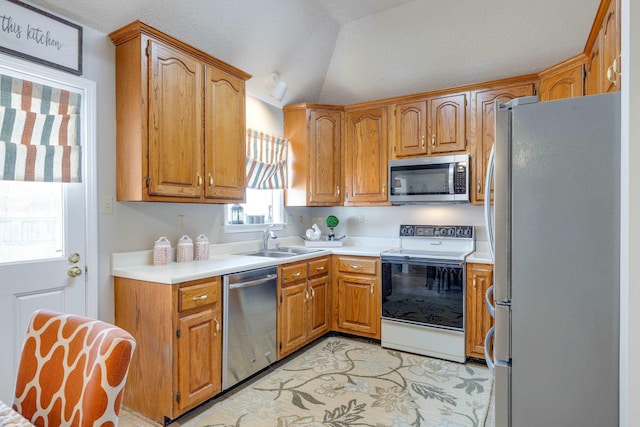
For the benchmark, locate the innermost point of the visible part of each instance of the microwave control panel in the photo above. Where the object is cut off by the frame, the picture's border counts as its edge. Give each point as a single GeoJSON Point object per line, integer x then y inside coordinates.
{"type": "Point", "coordinates": [448, 231]}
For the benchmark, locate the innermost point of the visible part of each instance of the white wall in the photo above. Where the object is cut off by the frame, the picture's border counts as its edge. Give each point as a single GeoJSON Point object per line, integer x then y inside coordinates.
{"type": "Point", "coordinates": [630, 224]}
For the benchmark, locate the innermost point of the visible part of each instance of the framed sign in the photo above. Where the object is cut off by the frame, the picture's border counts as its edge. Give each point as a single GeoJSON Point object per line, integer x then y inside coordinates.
{"type": "Point", "coordinates": [38, 36]}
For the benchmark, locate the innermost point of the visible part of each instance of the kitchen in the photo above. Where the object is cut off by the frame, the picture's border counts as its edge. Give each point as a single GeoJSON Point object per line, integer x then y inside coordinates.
{"type": "Point", "coordinates": [138, 225]}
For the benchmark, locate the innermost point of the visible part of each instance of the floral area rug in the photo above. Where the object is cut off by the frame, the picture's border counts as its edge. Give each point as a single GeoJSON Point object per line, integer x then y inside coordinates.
{"type": "Point", "coordinates": [343, 382]}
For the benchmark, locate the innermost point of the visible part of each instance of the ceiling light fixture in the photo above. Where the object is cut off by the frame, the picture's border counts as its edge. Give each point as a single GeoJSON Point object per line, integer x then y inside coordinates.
{"type": "Point", "coordinates": [279, 87]}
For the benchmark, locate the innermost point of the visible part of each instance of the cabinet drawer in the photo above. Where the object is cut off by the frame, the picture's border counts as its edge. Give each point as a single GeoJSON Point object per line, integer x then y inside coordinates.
{"type": "Point", "coordinates": [293, 273]}
{"type": "Point", "coordinates": [318, 267]}
{"type": "Point", "coordinates": [358, 265]}
{"type": "Point", "coordinates": [198, 295]}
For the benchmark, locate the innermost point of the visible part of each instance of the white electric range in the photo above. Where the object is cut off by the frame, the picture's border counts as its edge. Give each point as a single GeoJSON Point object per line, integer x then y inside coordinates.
{"type": "Point", "coordinates": [423, 291]}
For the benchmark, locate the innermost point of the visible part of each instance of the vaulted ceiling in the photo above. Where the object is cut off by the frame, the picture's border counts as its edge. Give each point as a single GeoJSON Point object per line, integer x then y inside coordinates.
{"type": "Point", "coordinates": [349, 51]}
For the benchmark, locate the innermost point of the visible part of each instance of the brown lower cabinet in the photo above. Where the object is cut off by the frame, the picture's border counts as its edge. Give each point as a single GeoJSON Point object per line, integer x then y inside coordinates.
{"type": "Point", "coordinates": [178, 330]}
{"type": "Point", "coordinates": [479, 321]}
{"type": "Point", "coordinates": [303, 303]}
{"type": "Point", "coordinates": [357, 292]}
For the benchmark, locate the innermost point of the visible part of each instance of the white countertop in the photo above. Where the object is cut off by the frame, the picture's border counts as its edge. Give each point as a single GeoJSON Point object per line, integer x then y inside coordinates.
{"type": "Point", "coordinates": [482, 254]}
{"type": "Point", "coordinates": [227, 258]}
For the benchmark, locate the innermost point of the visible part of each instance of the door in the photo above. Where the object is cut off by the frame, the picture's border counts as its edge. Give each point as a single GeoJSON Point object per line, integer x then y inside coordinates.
{"type": "Point", "coordinates": [175, 123]}
{"type": "Point", "coordinates": [46, 242]}
{"type": "Point", "coordinates": [225, 136]}
{"type": "Point", "coordinates": [411, 122]}
{"type": "Point", "coordinates": [367, 156]}
{"type": "Point", "coordinates": [325, 157]}
{"type": "Point", "coordinates": [356, 304]}
{"type": "Point", "coordinates": [447, 123]}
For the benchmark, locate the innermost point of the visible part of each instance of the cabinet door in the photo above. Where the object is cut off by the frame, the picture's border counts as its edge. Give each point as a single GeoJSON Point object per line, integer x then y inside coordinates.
{"type": "Point", "coordinates": [411, 129]}
{"type": "Point", "coordinates": [199, 358]}
{"type": "Point", "coordinates": [292, 318]}
{"type": "Point", "coordinates": [325, 155]}
{"type": "Point", "coordinates": [479, 321]}
{"type": "Point", "coordinates": [482, 123]}
{"type": "Point", "coordinates": [593, 83]}
{"type": "Point", "coordinates": [357, 308]}
{"type": "Point", "coordinates": [565, 84]}
{"type": "Point", "coordinates": [611, 48]}
{"type": "Point", "coordinates": [175, 123]}
{"type": "Point", "coordinates": [367, 156]}
{"type": "Point", "coordinates": [447, 123]}
{"type": "Point", "coordinates": [319, 320]}
{"type": "Point", "coordinates": [224, 109]}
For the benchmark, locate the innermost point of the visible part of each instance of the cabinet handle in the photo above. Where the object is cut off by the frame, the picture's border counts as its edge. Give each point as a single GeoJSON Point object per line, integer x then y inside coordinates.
{"type": "Point", "coordinates": [616, 65]}
{"type": "Point", "coordinates": [313, 293]}
{"type": "Point", "coordinates": [371, 288]}
{"type": "Point", "coordinates": [215, 319]}
{"type": "Point", "coordinates": [296, 274]}
{"type": "Point", "coordinates": [199, 180]}
{"type": "Point", "coordinates": [338, 190]}
{"type": "Point", "coordinates": [319, 268]}
{"type": "Point", "coordinates": [355, 266]}
{"type": "Point", "coordinates": [433, 140]}
{"type": "Point", "coordinates": [479, 187]}
{"type": "Point", "coordinates": [201, 297]}
{"type": "Point", "coordinates": [384, 190]}
{"type": "Point", "coordinates": [210, 182]}
{"type": "Point", "coordinates": [306, 295]}
{"type": "Point", "coordinates": [474, 282]}
{"type": "Point", "coordinates": [423, 138]}
{"type": "Point", "coordinates": [611, 74]}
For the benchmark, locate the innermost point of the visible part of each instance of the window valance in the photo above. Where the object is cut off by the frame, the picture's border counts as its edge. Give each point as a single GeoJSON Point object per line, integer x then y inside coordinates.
{"type": "Point", "coordinates": [39, 133]}
{"type": "Point", "coordinates": [266, 161]}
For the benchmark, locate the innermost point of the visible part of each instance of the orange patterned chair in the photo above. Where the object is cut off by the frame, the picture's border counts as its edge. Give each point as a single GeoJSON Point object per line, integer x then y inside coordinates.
{"type": "Point", "coordinates": [72, 371]}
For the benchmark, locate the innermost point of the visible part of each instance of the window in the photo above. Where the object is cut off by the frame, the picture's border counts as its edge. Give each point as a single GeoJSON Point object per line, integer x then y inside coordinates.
{"type": "Point", "coordinates": [31, 220]}
{"type": "Point", "coordinates": [261, 207]}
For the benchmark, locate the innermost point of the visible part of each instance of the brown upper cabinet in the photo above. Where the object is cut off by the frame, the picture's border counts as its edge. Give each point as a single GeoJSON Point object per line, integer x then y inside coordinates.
{"type": "Point", "coordinates": [436, 125]}
{"type": "Point", "coordinates": [366, 154]}
{"type": "Point", "coordinates": [315, 155]}
{"type": "Point", "coordinates": [603, 50]}
{"type": "Point", "coordinates": [447, 123]}
{"type": "Point", "coordinates": [564, 80]}
{"type": "Point", "coordinates": [180, 121]}
{"type": "Point", "coordinates": [411, 129]}
{"type": "Point", "coordinates": [482, 128]}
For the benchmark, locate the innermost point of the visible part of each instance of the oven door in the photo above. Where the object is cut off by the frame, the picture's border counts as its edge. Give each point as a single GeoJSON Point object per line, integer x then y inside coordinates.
{"type": "Point", "coordinates": [424, 292]}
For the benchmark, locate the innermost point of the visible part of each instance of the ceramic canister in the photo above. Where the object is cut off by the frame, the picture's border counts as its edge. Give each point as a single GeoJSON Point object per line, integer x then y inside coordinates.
{"type": "Point", "coordinates": [202, 248]}
{"type": "Point", "coordinates": [185, 249]}
{"type": "Point", "coordinates": [161, 251]}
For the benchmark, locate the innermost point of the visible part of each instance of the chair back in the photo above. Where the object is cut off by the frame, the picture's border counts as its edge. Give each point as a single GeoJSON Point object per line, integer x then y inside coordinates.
{"type": "Point", "coordinates": [72, 371]}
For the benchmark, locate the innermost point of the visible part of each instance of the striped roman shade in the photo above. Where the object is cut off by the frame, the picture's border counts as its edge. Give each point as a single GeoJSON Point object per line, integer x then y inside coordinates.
{"type": "Point", "coordinates": [266, 161]}
{"type": "Point", "coordinates": [40, 132]}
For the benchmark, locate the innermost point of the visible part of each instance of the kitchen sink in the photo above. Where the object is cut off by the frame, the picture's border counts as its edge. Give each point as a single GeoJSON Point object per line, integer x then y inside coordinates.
{"type": "Point", "coordinates": [281, 252]}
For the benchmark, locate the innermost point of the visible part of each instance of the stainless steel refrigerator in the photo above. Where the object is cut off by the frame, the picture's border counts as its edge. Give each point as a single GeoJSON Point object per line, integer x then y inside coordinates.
{"type": "Point", "coordinates": [555, 230]}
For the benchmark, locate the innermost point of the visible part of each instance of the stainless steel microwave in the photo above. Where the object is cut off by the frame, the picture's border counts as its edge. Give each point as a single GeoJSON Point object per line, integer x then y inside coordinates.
{"type": "Point", "coordinates": [429, 179]}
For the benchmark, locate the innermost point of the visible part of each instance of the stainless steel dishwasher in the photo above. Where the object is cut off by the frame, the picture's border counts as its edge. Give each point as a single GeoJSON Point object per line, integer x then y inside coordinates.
{"type": "Point", "coordinates": [249, 323]}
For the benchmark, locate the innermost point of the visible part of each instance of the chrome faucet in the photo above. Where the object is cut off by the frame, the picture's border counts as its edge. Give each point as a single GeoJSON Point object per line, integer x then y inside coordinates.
{"type": "Point", "coordinates": [266, 234]}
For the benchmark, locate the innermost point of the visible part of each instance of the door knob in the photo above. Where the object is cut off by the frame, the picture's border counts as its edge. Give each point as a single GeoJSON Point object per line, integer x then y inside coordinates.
{"type": "Point", "coordinates": [74, 257]}
{"type": "Point", "coordinates": [74, 271]}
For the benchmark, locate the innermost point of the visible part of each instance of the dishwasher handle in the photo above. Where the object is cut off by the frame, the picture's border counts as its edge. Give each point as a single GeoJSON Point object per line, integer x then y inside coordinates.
{"type": "Point", "coordinates": [253, 282]}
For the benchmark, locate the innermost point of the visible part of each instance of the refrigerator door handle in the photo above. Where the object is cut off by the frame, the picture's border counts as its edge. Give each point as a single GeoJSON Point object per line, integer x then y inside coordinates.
{"type": "Point", "coordinates": [487, 300]}
{"type": "Point", "coordinates": [487, 356]}
{"type": "Point", "coordinates": [488, 220]}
